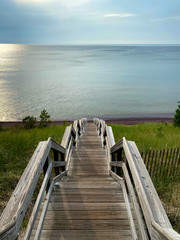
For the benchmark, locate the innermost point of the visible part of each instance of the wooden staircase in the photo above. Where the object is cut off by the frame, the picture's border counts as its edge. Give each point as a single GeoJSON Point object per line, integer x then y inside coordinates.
{"type": "Point", "coordinates": [88, 203]}
{"type": "Point", "coordinates": [92, 188]}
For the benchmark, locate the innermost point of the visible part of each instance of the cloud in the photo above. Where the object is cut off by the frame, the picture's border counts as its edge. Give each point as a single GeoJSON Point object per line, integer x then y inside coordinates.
{"type": "Point", "coordinates": [175, 18]}
{"type": "Point", "coordinates": [66, 3]}
{"type": "Point", "coordinates": [119, 15]}
{"type": "Point", "coordinates": [73, 3]}
{"type": "Point", "coordinates": [32, 1]}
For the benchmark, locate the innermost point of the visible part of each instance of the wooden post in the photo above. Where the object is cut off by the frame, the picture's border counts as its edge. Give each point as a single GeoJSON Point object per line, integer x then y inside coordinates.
{"type": "Point", "coordinates": [56, 158]}
{"type": "Point", "coordinates": [119, 170]}
{"type": "Point", "coordinates": [62, 157]}
{"type": "Point", "coordinates": [46, 165]}
{"type": "Point", "coordinates": [113, 159]}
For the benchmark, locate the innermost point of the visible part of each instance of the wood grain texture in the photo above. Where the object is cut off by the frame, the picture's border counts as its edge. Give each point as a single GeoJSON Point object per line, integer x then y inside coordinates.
{"type": "Point", "coordinates": [86, 235]}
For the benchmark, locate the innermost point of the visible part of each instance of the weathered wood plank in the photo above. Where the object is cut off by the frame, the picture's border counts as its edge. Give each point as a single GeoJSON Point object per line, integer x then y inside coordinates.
{"type": "Point", "coordinates": [56, 146]}
{"type": "Point", "coordinates": [130, 217]}
{"type": "Point", "coordinates": [66, 137]}
{"type": "Point", "coordinates": [88, 198]}
{"type": "Point", "coordinates": [85, 215]}
{"type": "Point", "coordinates": [94, 225]}
{"type": "Point", "coordinates": [86, 235]}
{"type": "Point", "coordinates": [150, 202]}
{"type": "Point", "coordinates": [159, 233]}
{"type": "Point", "coordinates": [58, 164]}
{"type": "Point", "coordinates": [116, 164]}
{"type": "Point", "coordinates": [87, 206]}
{"type": "Point", "coordinates": [117, 146]}
{"type": "Point", "coordinates": [110, 136]}
{"type": "Point", "coordinates": [38, 203]}
{"type": "Point", "coordinates": [111, 191]}
{"type": "Point", "coordinates": [43, 214]}
{"type": "Point", "coordinates": [86, 185]}
{"type": "Point", "coordinates": [142, 232]}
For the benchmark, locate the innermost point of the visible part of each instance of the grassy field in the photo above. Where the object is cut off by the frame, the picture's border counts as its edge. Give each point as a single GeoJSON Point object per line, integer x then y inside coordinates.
{"type": "Point", "coordinates": [157, 136]}
{"type": "Point", "coordinates": [16, 148]}
{"type": "Point", "coordinates": [149, 135]}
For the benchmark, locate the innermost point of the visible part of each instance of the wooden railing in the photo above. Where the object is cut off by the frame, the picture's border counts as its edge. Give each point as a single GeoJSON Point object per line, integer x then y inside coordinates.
{"type": "Point", "coordinates": [12, 216]}
{"type": "Point", "coordinates": [127, 167]}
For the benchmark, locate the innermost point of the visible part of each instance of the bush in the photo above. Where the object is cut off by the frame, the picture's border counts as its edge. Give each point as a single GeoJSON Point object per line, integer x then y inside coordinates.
{"type": "Point", "coordinates": [44, 118]}
{"type": "Point", "coordinates": [177, 116]}
{"type": "Point", "coordinates": [29, 122]}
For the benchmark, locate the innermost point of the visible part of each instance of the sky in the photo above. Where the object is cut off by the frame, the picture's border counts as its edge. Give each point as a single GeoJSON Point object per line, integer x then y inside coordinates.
{"type": "Point", "coordinates": [90, 21]}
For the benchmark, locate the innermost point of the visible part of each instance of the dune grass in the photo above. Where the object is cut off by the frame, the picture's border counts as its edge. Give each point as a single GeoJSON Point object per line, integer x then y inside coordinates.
{"type": "Point", "coordinates": [157, 136]}
{"type": "Point", "coordinates": [16, 148]}
{"type": "Point", "coordinates": [149, 135]}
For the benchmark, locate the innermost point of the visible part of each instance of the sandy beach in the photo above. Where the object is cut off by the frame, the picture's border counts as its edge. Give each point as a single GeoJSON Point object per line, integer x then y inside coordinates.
{"type": "Point", "coordinates": [123, 121]}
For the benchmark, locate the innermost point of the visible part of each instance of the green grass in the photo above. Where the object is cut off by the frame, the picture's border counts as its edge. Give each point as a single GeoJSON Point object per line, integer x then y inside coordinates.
{"type": "Point", "coordinates": [16, 148]}
{"type": "Point", "coordinates": [149, 135]}
{"type": "Point", "coordinates": [157, 136]}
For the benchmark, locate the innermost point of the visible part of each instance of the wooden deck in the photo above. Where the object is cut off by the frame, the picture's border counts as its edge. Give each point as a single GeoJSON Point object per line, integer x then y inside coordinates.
{"type": "Point", "coordinates": [88, 203]}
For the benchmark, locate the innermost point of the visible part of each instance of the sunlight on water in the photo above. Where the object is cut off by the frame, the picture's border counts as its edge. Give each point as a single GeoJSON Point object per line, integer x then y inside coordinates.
{"type": "Point", "coordinates": [74, 81]}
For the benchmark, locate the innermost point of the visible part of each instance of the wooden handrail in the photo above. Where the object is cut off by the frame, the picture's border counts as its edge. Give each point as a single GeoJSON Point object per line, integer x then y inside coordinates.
{"type": "Point", "coordinates": [142, 192]}
{"type": "Point", "coordinates": [16, 208]}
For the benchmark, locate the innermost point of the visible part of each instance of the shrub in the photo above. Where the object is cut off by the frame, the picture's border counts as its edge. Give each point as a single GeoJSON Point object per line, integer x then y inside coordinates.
{"type": "Point", "coordinates": [177, 116]}
{"type": "Point", "coordinates": [44, 118]}
{"type": "Point", "coordinates": [160, 133]}
{"type": "Point", "coordinates": [29, 122]}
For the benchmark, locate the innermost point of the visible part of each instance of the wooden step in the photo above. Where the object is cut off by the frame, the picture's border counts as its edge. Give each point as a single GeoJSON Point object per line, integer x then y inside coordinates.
{"type": "Point", "coordinates": [87, 191]}
{"type": "Point", "coordinates": [88, 179]}
{"type": "Point", "coordinates": [100, 225]}
{"type": "Point", "coordinates": [86, 206]}
{"type": "Point", "coordinates": [85, 235]}
{"type": "Point", "coordinates": [98, 198]}
{"type": "Point", "coordinates": [83, 215]}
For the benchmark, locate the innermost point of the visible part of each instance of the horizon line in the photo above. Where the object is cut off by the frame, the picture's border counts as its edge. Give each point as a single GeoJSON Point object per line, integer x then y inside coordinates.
{"type": "Point", "coordinates": [89, 44]}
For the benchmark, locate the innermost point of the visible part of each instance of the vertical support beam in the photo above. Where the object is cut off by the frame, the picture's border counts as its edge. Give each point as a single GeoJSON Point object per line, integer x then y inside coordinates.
{"type": "Point", "coordinates": [119, 171]}
{"type": "Point", "coordinates": [56, 158]}
{"type": "Point", "coordinates": [45, 168]}
{"type": "Point", "coordinates": [113, 159]}
{"type": "Point", "coordinates": [62, 158]}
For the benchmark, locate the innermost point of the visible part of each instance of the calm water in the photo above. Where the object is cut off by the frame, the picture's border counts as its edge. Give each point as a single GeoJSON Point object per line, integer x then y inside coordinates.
{"type": "Point", "coordinates": [74, 81]}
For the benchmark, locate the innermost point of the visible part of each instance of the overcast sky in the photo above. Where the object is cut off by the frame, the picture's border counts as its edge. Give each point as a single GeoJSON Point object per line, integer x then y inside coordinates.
{"type": "Point", "coordinates": [90, 21]}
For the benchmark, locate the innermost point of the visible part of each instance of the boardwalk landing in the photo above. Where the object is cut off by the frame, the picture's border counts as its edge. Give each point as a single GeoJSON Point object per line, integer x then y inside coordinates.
{"type": "Point", "coordinates": [88, 203]}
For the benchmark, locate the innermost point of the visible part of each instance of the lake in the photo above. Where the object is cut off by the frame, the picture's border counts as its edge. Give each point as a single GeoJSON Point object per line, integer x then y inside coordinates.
{"type": "Point", "coordinates": [88, 81]}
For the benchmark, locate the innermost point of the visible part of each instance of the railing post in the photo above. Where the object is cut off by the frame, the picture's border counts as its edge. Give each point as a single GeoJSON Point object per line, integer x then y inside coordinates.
{"type": "Point", "coordinates": [46, 165]}
{"type": "Point", "coordinates": [56, 159]}
{"type": "Point", "coordinates": [104, 138]}
{"type": "Point", "coordinates": [62, 158]}
{"type": "Point", "coordinates": [113, 159]}
{"type": "Point", "coordinates": [119, 170]}
{"type": "Point", "coordinates": [78, 129]}
{"type": "Point", "coordinates": [73, 138]}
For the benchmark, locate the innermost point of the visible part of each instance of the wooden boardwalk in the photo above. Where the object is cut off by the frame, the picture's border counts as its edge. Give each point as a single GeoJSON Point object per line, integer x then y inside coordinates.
{"type": "Point", "coordinates": [92, 188]}
{"type": "Point", "coordinates": [88, 203]}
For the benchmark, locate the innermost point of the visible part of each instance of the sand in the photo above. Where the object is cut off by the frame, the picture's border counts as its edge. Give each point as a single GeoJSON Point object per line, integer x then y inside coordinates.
{"type": "Point", "coordinates": [123, 121]}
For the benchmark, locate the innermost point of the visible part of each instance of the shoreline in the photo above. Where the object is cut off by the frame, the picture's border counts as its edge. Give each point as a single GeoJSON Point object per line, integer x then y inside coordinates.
{"type": "Point", "coordinates": [122, 121]}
